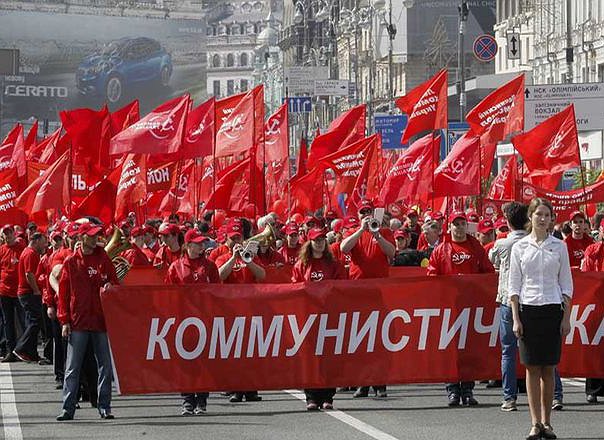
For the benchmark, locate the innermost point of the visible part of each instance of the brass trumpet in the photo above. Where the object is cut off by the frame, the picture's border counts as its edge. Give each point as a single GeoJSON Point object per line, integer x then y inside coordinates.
{"type": "Point", "coordinates": [265, 238]}
{"type": "Point", "coordinates": [116, 245]}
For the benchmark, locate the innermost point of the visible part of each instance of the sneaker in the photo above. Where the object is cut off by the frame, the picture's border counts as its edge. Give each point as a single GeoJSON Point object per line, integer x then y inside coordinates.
{"type": "Point", "coordinates": [25, 357]}
{"type": "Point", "coordinates": [10, 358]}
{"type": "Point", "coordinates": [361, 392]}
{"type": "Point", "coordinates": [200, 408]}
{"type": "Point", "coordinates": [106, 414]}
{"type": "Point", "coordinates": [187, 409]}
{"type": "Point", "coordinates": [236, 398]}
{"type": "Point", "coordinates": [327, 406]}
{"type": "Point", "coordinates": [494, 384]}
{"type": "Point", "coordinates": [44, 361]}
{"type": "Point", "coordinates": [253, 398]}
{"type": "Point", "coordinates": [557, 405]}
{"type": "Point", "coordinates": [312, 406]}
{"type": "Point", "coordinates": [469, 401]}
{"type": "Point", "coordinates": [454, 400]}
{"type": "Point", "coordinates": [382, 394]}
{"type": "Point", "coordinates": [64, 416]}
{"type": "Point", "coordinates": [509, 405]}
{"type": "Point", "coordinates": [592, 398]}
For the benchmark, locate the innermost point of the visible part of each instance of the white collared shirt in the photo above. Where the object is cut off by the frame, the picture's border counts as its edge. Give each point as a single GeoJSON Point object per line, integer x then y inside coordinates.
{"type": "Point", "coordinates": [540, 273]}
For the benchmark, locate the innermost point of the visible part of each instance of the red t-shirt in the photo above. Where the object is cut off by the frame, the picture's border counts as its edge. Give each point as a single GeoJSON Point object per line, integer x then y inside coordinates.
{"type": "Point", "coordinates": [290, 255]}
{"type": "Point", "coordinates": [487, 247]}
{"type": "Point", "coordinates": [28, 262]}
{"type": "Point", "coordinates": [367, 260]}
{"type": "Point", "coordinates": [165, 257]}
{"type": "Point", "coordinates": [271, 258]}
{"type": "Point", "coordinates": [135, 256]}
{"type": "Point", "coordinates": [339, 255]}
{"type": "Point", "coordinates": [240, 274]}
{"type": "Point", "coordinates": [9, 268]}
{"type": "Point", "coordinates": [192, 271]}
{"type": "Point", "coordinates": [217, 252]}
{"type": "Point", "coordinates": [452, 258]}
{"type": "Point", "coordinates": [318, 269]}
{"type": "Point", "coordinates": [576, 249]}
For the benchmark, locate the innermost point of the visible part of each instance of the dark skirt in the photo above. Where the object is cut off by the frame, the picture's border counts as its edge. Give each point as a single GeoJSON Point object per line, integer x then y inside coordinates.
{"type": "Point", "coordinates": [541, 342]}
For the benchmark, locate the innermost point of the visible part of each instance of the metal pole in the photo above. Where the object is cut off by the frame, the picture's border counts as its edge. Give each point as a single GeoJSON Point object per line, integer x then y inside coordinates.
{"type": "Point", "coordinates": [371, 79]}
{"type": "Point", "coordinates": [461, 75]}
{"type": "Point", "coordinates": [391, 35]}
{"type": "Point", "coordinates": [569, 43]}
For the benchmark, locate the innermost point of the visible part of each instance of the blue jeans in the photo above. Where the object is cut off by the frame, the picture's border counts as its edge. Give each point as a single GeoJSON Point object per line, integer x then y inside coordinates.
{"type": "Point", "coordinates": [509, 349]}
{"type": "Point", "coordinates": [557, 385]}
{"type": "Point", "coordinates": [76, 349]}
{"type": "Point", "coordinates": [28, 342]}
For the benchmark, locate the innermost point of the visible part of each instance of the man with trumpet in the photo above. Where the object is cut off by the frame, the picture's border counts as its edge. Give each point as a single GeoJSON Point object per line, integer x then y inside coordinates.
{"type": "Point", "coordinates": [240, 266]}
{"type": "Point", "coordinates": [371, 248]}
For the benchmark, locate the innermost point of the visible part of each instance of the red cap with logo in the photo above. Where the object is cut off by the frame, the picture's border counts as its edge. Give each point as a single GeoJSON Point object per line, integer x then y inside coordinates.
{"type": "Point", "coordinates": [137, 231]}
{"type": "Point", "coordinates": [366, 204]}
{"type": "Point", "coordinates": [400, 233]}
{"type": "Point", "coordinates": [575, 214]}
{"type": "Point", "coordinates": [472, 216]}
{"type": "Point", "coordinates": [89, 229]}
{"type": "Point", "coordinates": [501, 223]}
{"type": "Point", "coordinates": [485, 226]}
{"type": "Point", "coordinates": [436, 215]}
{"type": "Point", "coordinates": [169, 229]}
{"type": "Point", "coordinates": [351, 222]}
{"type": "Point", "coordinates": [195, 236]}
{"type": "Point", "coordinates": [315, 233]}
{"type": "Point", "coordinates": [234, 227]}
{"type": "Point", "coordinates": [457, 214]}
{"type": "Point", "coordinates": [291, 228]}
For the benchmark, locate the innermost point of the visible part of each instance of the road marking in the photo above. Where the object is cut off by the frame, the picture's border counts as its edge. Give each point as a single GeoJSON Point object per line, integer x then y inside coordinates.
{"type": "Point", "coordinates": [8, 405]}
{"type": "Point", "coordinates": [357, 424]}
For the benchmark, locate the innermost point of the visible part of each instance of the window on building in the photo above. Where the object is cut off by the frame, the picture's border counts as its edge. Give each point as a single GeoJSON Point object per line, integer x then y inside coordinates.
{"type": "Point", "coordinates": [230, 87]}
{"type": "Point", "coordinates": [244, 85]}
{"type": "Point", "coordinates": [230, 60]}
{"type": "Point", "coordinates": [243, 59]}
{"type": "Point", "coordinates": [601, 73]}
{"type": "Point", "coordinates": [216, 60]}
{"type": "Point", "coordinates": [216, 87]}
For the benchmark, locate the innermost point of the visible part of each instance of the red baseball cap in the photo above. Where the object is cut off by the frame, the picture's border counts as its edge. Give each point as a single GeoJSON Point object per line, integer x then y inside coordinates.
{"type": "Point", "coordinates": [485, 226]}
{"type": "Point", "coordinates": [331, 214]}
{"type": "Point", "coordinates": [412, 212]}
{"type": "Point", "coordinates": [234, 227]}
{"type": "Point", "coordinates": [366, 204]}
{"type": "Point", "coordinates": [436, 215]}
{"type": "Point", "coordinates": [72, 229]}
{"type": "Point", "coordinates": [195, 236]}
{"type": "Point", "coordinates": [472, 216]}
{"type": "Point", "coordinates": [315, 233]}
{"type": "Point", "coordinates": [351, 222]}
{"type": "Point", "coordinates": [310, 218]}
{"type": "Point", "coordinates": [400, 233]}
{"type": "Point", "coordinates": [501, 223]}
{"type": "Point", "coordinates": [89, 229]}
{"type": "Point", "coordinates": [149, 229]}
{"type": "Point", "coordinates": [137, 231]}
{"type": "Point", "coordinates": [291, 228]}
{"type": "Point", "coordinates": [168, 229]}
{"type": "Point", "coordinates": [457, 214]}
{"type": "Point", "coordinates": [8, 227]}
{"type": "Point", "coordinates": [575, 214]}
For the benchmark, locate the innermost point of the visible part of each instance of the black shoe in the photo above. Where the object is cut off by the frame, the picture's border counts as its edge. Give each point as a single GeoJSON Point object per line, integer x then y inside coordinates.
{"type": "Point", "coordinates": [26, 358]}
{"type": "Point", "coordinates": [44, 361]}
{"type": "Point", "coordinates": [200, 408]}
{"type": "Point", "coordinates": [64, 416]}
{"type": "Point", "coordinates": [106, 414]}
{"type": "Point", "coordinates": [535, 432]}
{"type": "Point", "coordinates": [592, 398]}
{"type": "Point", "coordinates": [10, 358]}
{"type": "Point", "coordinates": [187, 409]}
{"type": "Point", "coordinates": [381, 393]}
{"type": "Point", "coordinates": [253, 398]}
{"type": "Point", "coordinates": [469, 401]}
{"type": "Point", "coordinates": [236, 398]}
{"type": "Point", "coordinates": [454, 400]}
{"type": "Point", "coordinates": [361, 392]}
{"type": "Point", "coordinates": [494, 384]}
{"type": "Point", "coordinates": [58, 386]}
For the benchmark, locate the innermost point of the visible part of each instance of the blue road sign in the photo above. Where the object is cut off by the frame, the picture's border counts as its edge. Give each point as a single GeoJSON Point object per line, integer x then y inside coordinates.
{"type": "Point", "coordinates": [485, 47]}
{"type": "Point", "coordinates": [454, 132]}
{"type": "Point", "coordinates": [299, 104]}
{"type": "Point", "coordinates": [391, 128]}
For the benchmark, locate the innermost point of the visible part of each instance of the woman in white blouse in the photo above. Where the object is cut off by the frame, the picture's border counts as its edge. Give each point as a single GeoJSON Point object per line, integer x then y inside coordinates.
{"type": "Point", "coordinates": [541, 287]}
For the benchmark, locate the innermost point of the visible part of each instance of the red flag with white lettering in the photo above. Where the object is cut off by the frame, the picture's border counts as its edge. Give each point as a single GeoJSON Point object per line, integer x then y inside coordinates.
{"type": "Point", "coordinates": [410, 179]}
{"type": "Point", "coordinates": [124, 117]}
{"type": "Point", "coordinates": [12, 151]}
{"type": "Point", "coordinates": [9, 188]}
{"type": "Point", "coordinates": [500, 114]}
{"type": "Point", "coordinates": [459, 173]}
{"type": "Point", "coordinates": [160, 132]}
{"type": "Point", "coordinates": [100, 201]}
{"type": "Point", "coordinates": [504, 184]}
{"type": "Point", "coordinates": [551, 147]}
{"type": "Point", "coordinates": [199, 132]}
{"type": "Point", "coordinates": [276, 137]}
{"type": "Point", "coordinates": [426, 106]}
{"type": "Point", "coordinates": [132, 186]}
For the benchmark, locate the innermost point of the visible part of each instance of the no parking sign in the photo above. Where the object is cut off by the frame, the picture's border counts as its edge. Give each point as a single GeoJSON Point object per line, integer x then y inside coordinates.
{"type": "Point", "coordinates": [485, 47]}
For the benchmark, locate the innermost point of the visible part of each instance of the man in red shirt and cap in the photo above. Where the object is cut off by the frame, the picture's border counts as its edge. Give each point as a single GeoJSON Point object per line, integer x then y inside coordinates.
{"type": "Point", "coordinates": [170, 251]}
{"type": "Point", "coordinates": [135, 256]}
{"type": "Point", "coordinates": [578, 240]}
{"type": "Point", "coordinates": [235, 225]}
{"type": "Point", "coordinates": [289, 251]}
{"type": "Point", "coordinates": [370, 255]}
{"type": "Point", "coordinates": [413, 228]}
{"type": "Point", "coordinates": [461, 254]}
{"type": "Point", "coordinates": [30, 297]}
{"type": "Point", "coordinates": [83, 276]}
{"type": "Point", "coordinates": [193, 268]}
{"type": "Point", "coordinates": [486, 234]}
{"type": "Point", "coordinates": [10, 252]}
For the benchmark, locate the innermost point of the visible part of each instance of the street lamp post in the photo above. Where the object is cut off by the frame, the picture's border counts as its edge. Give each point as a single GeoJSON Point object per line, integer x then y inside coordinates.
{"type": "Point", "coordinates": [461, 74]}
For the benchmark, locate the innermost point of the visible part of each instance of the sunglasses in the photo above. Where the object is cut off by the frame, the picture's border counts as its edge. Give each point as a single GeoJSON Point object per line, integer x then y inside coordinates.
{"type": "Point", "coordinates": [365, 211]}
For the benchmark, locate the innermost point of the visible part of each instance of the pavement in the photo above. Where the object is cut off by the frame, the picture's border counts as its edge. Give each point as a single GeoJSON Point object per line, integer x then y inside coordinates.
{"type": "Point", "coordinates": [29, 404]}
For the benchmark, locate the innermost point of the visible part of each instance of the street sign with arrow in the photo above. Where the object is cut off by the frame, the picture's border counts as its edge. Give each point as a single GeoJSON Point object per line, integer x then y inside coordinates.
{"type": "Point", "coordinates": [331, 87]}
{"type": "Point", "coordinates": [513, 46]}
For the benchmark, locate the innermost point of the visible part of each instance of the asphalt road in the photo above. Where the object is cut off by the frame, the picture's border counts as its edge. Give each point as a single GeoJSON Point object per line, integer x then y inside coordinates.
{"type": "Point", "coordinates": [409, 412]}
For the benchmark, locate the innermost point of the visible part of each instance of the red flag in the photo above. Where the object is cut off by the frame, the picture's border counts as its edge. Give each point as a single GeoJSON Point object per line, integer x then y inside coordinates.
{"type": "Point", "coordinates": [9, 187]}
{"type": "Point", "coordinates": [100, 201]}
{"type": "Point", "coordinates": [206, 183]}
{"type": "Point", "coordinates": [277, 176]}
{"type": "Point", "coordinates": [346, 129]}
{"type": "Point", "coordinates": [50, 190]}
{"type": "Point", "coordinates": [301, 168]}
{"type": "Point", "coordinates": [307, 190]}
{"type": "Point", "coordinates": [132, 186]}
{"type": "Point", "coordinates": [365, 183]}
{"type": "Point", "coordinates": [199, 132]}
{"type": "Point", "coordinates": [504, 184]}
{"type": "Point", "coordinates": [124, 117]}
{"type": "Point", "coordinates": [32, 137]}
{"type": "Point", "coordinates": [276, 137]}
{"type": "Point", "coordinates": [160, 132]}
{"type": "Point", "coordinates": [12, 151]}
{"type": "Point", "coordinates": [426, 106]}
{"type": "Point", "coordinates": [224, 107]}
{"type": "Point", "coordinates": [500, 114]}
{"type": "Point", "coordinates": [176, 199]}
{"type": "Point", "coordinates": [552, 146]}
{"type": "Point", "coordinates": [160, 177]}
{"type": "Point", "coordinates": [88, 131]}
{"type": "Point", "coordinates": [459, 173]}
{"type": "Point", "coordinates": [53, 147]}
{"type": "Point", "coordinates": [243, 129]}
{"type": "Point", "coordinates": [410, 179]}
{"type": "Point", "coordinates": [221, 196]}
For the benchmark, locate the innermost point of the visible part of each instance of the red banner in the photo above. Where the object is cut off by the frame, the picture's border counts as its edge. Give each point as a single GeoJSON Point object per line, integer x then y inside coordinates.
{"type": "Point", "coordinates": [168, 339]}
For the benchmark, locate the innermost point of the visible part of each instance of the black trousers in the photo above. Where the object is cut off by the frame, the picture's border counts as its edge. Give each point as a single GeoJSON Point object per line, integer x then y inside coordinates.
{"type": "Point", "coordinates": [13, 314]}
{"type": "Point", "coordinates": [594, 386]}
{"type": "Point", "coordinates": [460, 388]}
{"type": "Point", "coordinates": [60, 350]}
{"type": "Point", "coordinates": [320, 395]}
{"type": "Point", "coordinates": [28, 342]}
{"type": "Point", "coordinates": [195, 399]}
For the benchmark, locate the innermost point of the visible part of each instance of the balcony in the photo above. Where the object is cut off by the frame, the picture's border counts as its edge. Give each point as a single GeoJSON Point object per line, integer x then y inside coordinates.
{"type": "Point", "coordinates": [239, 40]}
